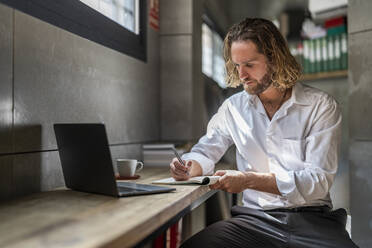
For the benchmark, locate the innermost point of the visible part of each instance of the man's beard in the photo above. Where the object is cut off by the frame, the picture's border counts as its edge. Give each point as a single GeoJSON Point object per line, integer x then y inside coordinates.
{"type": "Point", "coordinates": [259, 86]}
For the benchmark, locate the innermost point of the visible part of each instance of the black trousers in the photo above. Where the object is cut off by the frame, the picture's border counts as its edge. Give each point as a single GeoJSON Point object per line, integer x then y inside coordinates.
{"type": "Point", "coordinates": [300, 227]}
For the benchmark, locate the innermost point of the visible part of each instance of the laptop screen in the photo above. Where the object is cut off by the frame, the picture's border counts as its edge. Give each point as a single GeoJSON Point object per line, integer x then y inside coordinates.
{"type": "Point", "coordinates": [85, 157]}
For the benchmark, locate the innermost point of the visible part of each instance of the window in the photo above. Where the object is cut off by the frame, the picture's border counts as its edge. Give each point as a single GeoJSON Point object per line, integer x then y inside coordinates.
{"type": "Point", "coordinates": [123, 12]}
{"type": "Point", "coordinates": [218, 61]}
{"type": "Point", "coordinates": [213, 64]}
{"type": "Point", "coordinates": [117, 24]}
{"type": "Point", "coordinates": [207, 50]}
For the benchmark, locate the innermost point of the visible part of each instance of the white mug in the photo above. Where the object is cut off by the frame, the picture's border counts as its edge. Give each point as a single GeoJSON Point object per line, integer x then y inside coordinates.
{"type": "Point", "coordinates": [127, 167]}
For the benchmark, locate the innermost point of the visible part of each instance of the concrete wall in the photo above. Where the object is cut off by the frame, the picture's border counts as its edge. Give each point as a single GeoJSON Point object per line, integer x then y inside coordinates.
{"type": "Point", "coordinates": [49, 75]}
{"type": "Point", "coordinates": [360, 121]}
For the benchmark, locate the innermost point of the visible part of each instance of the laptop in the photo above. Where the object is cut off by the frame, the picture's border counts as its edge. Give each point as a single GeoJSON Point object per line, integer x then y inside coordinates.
{"type": "Point", "coordinates": [87, 165]}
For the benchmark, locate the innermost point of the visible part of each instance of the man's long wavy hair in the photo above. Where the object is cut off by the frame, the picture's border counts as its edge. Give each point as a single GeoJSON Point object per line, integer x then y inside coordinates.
{"type": "Point", "coordinates": [269, 42]}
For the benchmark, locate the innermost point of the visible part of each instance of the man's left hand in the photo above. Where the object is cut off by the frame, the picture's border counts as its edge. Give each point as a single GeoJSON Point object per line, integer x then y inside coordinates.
{"type": "Point", "coordinates": [232, 181]}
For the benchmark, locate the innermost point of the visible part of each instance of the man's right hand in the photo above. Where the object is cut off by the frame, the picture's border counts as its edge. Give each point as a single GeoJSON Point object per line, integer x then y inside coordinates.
{"type": "Point", "coordinates": [181, 173]}
{"type": "Point", "coordinates": [178, 171]}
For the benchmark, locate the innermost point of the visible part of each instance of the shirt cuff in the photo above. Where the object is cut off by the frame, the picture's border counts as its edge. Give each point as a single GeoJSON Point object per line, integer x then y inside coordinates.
{"type": "Point", "coordinates": [206, 164]}
{"type": "Point", "coordinates": [286, 183]}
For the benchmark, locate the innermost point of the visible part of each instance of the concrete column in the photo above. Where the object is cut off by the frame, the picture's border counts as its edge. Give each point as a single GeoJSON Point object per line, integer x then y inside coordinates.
{"type": "Point", "coordinates": [182, 88]}
{"type": "Point", "coordinates": [360, 119]}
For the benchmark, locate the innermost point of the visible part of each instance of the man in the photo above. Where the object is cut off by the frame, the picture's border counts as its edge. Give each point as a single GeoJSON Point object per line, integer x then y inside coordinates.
{"type": "Point", "coordinates": [286, 136]}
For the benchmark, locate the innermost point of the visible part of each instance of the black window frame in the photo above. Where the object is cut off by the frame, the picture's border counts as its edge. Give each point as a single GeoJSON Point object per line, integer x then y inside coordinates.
{"type": "Point", "coordinates": [78, 18]}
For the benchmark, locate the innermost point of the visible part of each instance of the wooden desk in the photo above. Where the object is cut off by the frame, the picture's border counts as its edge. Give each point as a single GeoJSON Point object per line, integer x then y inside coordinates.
{"type": "Point", "coordinates": [66, 218]}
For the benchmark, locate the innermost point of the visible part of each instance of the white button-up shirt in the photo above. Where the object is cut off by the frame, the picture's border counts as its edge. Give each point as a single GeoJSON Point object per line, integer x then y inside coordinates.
{"type": "Point", "coordinates": [299, 145]}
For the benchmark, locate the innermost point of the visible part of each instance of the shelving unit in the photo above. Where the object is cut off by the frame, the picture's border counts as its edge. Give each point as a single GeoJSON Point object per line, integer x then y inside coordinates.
{"type": "Point", "coordinates": [324, 75]}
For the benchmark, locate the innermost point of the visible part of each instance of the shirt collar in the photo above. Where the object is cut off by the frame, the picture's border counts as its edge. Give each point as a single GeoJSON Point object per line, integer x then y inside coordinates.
{"type": "Point", "coordinates": [252, 99]}
{"type": "Point", "coordinates": [299, 95]}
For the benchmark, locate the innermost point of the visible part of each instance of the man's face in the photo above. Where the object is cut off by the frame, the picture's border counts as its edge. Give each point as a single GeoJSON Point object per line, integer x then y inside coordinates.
{"type": "Point", "coordinates": [251, 65]}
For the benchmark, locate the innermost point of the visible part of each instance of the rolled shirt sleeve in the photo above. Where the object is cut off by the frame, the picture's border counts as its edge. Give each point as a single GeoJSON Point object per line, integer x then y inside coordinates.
{"type": "Point", "coordinates": [312, 182]}
{"type": "Point", "coordinates": [211, 147]}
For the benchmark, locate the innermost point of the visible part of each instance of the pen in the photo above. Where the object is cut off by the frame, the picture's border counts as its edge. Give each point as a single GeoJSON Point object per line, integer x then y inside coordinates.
{"type": "Point", "coordinates": [179, 158]}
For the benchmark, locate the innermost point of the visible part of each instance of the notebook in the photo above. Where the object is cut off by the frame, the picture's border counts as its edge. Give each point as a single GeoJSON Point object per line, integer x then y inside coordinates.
{"type": "Point", "coordinates": [87, 165]}
{"type": "Point", "coordinates": [202, 180]}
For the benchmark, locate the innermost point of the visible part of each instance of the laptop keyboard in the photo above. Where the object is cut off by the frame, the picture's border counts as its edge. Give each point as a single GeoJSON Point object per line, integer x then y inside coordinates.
{"type": "Point", "coordinates": [132, 188]}
{"type": "Point", "coordinates": [127, 189]}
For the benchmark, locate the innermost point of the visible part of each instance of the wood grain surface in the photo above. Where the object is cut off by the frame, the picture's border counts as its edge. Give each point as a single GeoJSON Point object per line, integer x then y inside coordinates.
{"type": "Point", "coordinates": [66, 218]}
